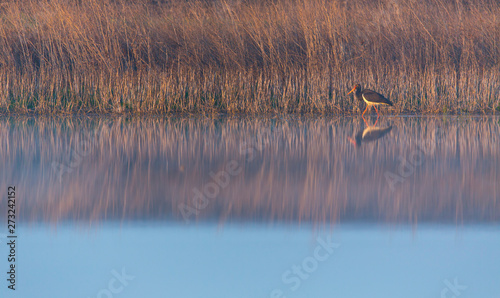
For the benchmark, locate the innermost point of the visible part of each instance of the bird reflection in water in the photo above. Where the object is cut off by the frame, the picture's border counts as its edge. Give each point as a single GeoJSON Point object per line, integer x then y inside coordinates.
{"type": "Point", "coordinates": [369, 134]}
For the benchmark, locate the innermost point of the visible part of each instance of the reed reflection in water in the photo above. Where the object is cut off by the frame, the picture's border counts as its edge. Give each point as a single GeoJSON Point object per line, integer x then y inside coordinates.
{"type": "Point", "coordinates": [288, 169]}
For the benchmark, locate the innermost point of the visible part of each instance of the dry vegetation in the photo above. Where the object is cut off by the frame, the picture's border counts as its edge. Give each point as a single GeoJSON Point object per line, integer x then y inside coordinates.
{"type": "Point", "coordinates": [281, 56]}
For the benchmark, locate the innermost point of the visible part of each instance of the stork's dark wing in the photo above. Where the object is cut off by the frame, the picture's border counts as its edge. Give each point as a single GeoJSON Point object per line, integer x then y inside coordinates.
{"type": "Point", "coordinates": [375, 97]}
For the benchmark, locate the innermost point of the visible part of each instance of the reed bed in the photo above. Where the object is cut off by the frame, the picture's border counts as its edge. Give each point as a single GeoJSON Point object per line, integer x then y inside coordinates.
{"type": "Point", "coordinates": [299, 169]}
{"type": "Point", "coordinates": [236, 56]}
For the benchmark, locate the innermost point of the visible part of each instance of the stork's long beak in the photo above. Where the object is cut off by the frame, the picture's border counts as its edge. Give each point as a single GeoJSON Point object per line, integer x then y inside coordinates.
{"type": "Point", "coordinates": [352, 90]}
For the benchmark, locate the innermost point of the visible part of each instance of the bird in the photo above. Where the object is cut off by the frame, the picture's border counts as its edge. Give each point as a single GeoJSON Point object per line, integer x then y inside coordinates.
{"type": "Point", "coordinates": [369, 134]}
{"type": "Point", "coordinates": [370, 97]}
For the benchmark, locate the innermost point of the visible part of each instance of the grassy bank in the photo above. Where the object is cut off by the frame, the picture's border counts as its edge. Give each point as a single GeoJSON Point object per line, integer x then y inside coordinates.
{"type": "Point", "coordinates": [430, 56]}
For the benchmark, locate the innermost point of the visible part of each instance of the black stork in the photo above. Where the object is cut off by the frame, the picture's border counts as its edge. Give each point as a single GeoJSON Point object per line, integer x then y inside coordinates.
{"type": "Point", "coordinates": [370, 97]}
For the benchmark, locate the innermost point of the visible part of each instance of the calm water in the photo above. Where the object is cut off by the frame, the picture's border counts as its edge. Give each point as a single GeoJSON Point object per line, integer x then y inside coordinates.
{"type": "Point", "coordinates": [252, 207]}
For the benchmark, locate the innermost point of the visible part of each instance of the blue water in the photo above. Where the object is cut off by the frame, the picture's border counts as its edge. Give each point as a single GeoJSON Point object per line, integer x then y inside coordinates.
{"type": "Point", "coordinates": [252, 207]}
{"type": "Point", "coordinates": [169, 260]}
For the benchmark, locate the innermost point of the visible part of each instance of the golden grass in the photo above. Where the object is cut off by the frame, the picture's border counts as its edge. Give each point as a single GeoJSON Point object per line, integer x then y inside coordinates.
{"type": "Point", "coordinates": [281, 56]}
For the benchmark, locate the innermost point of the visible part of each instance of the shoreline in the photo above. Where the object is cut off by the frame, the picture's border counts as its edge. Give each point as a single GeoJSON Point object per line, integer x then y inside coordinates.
{"type": "Point", "coordinates": [216, 115]}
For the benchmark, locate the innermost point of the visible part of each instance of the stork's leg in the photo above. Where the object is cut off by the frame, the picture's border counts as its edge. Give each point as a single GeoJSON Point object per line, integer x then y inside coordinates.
{"type": "Point", "coordinates": [365, 110]}
{"type": "Point", "coordinates": [376, 111]}
{"type": "Point", "coordinates": [376, 121]}
{"type": "Point", "coordinates": [365, 121]}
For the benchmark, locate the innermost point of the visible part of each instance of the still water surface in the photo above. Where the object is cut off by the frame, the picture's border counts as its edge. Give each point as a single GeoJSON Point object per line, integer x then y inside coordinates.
{"type": "Point", "coordinates": [253, 207]}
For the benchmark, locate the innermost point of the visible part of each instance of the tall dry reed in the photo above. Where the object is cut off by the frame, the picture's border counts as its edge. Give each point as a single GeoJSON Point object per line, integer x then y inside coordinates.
{"type": "Point", "coordinates": [235, 56]}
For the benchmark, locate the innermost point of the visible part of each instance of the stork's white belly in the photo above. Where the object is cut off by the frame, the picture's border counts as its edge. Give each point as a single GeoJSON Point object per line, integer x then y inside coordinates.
{"type": "Point", "coordinates": [372, 103]}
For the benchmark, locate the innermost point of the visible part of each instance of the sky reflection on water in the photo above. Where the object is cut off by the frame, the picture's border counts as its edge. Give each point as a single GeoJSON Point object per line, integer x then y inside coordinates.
{"type": "Point", "coordinates": [243, 207]}
{"type": "Point", "coordinates": [161, 260]}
